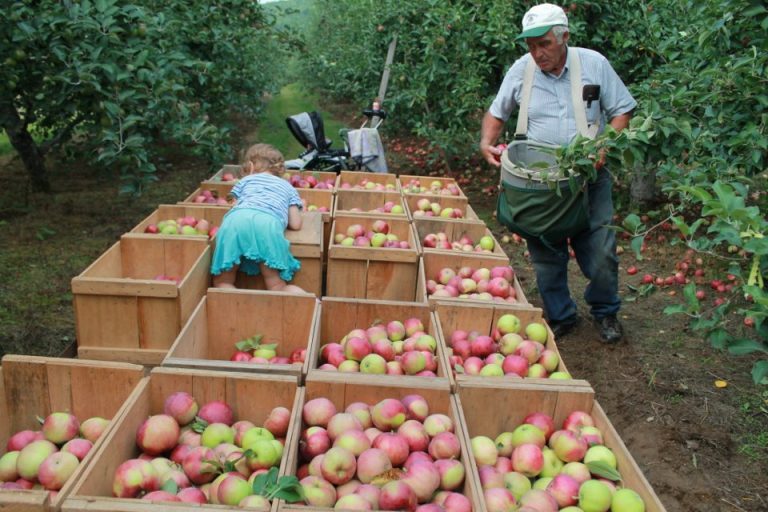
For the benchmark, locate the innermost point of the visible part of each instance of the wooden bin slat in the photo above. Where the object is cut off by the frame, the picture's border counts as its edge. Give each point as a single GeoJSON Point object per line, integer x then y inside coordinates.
{"type": "Point", "coordinates": [471, 317]}
{"type": "Point", "coordinates": [224, 317]}
{"type": "Point", "coordinates": [32, 386]}
{"type": "Point", "coordinates": [93, 491]}
{"type": "Point", "coordinates": [511, 405]}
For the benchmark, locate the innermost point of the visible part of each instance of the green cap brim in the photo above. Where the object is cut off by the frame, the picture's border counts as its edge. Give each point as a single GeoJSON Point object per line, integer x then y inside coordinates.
{"type": "Point", "coordinates": [535, 32]}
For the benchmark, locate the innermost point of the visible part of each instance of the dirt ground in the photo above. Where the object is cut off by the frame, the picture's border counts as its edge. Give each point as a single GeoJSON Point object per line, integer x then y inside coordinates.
{"type": "Point", "coordinates": [702, 448]}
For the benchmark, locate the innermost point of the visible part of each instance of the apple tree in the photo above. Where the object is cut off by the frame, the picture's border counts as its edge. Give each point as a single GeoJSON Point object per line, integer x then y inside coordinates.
{"type": "Point", "coordinates": [115, 80]}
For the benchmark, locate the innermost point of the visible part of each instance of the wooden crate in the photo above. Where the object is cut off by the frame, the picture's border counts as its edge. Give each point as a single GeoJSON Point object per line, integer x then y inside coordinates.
{"type": "Point", "coordinates": [426, 182]}
{"type": "Point", "coordinates": [342, 393]}
{"type": "Point", "coordinates": [411, 200]}
{"type": "Point", "coordinates": [512, 405]}
{"type": "Point", "coordinates": [331, 178]}
{"type": "Point", "coordinates": [367, 202]}
{"type": "Point", "coordinates": [225, 317]}
{"type": "Point", "coordinates": [122, 313]}
{"type": "Point", "coordinates": [373, 272]}
{"type": "Point", "coordinates": [434, 261]}
{"type": "Point", "coordinates": [339, 316]}
{"type": "Point", "coordinates": [235, 169]}
{"type": "Point", "coordinates": [213, 214]}
{"type": "Point", "coordinates": [357, 180]}
{"type": "Point", "coordinates": [454, 231]}
{"type": "Point", "coordinates": [251, 396]}
{"type": "Point", "coordinates": [218, 189]}
{"type": "Point", "coordinates": [452, 317]}
{"type": "Point", "coordinates": [38, 386]}
{"type": "Point", "coordinates": [307, 246]}
{"type": "Point", "coordinates": [321, 198]}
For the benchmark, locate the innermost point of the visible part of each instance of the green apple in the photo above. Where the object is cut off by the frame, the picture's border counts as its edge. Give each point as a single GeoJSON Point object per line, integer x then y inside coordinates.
{"type": "Point", "coordinates": [600, 453]}
{"type": "Point", "coordinates": [255, 434]}
{"type": "Point", "coordinates": [487, 243]}
{"type": "Point", "coordinates": [594, 496]}
{"type": "Point", "coordinates": [217, 433]}
{"type": "Point", "coordinates": [378, 239]}
{"type": "Point", "coordinates": [263, 454]}
{"type": "Point", "coordinates": [373, 363]}
{"type": "Point", "coordinates": [627, 500]}
{"type": "Point", "coordinates": [492, 370]}
{"type": "Point", "coordinates": [397, 209]}
{"type": "Point", "coordinates": [508, 323]}
{"type": "Point", "coordinates": [536, 331]}
{"type": "Point", "coordinates": [560, 375]}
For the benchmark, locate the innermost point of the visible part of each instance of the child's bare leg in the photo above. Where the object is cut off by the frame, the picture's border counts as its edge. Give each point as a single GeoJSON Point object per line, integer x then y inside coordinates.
{"type": "Point", "coordinates": [226, 279]}
{"type": "Point", "coordinates": [275, 283]}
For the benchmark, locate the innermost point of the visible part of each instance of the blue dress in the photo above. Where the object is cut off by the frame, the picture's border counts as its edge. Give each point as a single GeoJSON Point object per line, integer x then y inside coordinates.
{"type": "Point", "coordinates": [253, 233]}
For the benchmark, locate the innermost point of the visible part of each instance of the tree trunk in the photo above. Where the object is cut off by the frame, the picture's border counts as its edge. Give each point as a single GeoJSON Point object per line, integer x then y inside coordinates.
{"type": "Point", "coordinates": [642, 189]}
{"type": "Point", "coordinates": [25, 145]}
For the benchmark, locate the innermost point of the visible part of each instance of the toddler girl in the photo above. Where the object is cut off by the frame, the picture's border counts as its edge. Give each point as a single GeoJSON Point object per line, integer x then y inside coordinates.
{"type": "Point", "coordinates": [251, 237]}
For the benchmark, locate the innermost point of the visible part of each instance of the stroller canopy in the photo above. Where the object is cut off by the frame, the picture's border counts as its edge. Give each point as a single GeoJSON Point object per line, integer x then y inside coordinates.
{"type": "Point", "coordinates": [307, 127]}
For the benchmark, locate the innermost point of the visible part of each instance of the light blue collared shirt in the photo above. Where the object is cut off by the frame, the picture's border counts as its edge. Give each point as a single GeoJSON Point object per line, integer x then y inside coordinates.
{"type": "Point", "coordinates": [550, 111]}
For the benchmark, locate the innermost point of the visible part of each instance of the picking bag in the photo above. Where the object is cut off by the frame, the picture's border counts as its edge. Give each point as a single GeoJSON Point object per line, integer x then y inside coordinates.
{"type": "Point", "coordinates": [535, 201]}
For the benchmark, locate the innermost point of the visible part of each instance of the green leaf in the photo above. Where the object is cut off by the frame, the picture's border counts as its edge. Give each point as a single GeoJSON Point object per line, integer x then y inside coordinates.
{"type": "Point", "coordinates": [604, 470]}
{"type": "Point", "coordinates": [291, 495]}
{"type": "Point", "coordinates": [632, 222]}
{"type": "Point", "coordinates": [674, 309]}
{"type": "Point", "coordinates": [760, 373]}
{"type": "Point", "coordinates": [264, 481]}
{"type": "Point", "coordinates": [636, 245]}
{"type": "Point", "coordinates": [719, 338]}
{"type": "Point", "coordinates": [746, 346]}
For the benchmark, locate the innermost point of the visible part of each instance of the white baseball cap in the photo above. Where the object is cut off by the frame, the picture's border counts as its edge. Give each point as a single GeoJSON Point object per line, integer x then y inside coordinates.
{"type": "Point", "coordinates": [540, 18]}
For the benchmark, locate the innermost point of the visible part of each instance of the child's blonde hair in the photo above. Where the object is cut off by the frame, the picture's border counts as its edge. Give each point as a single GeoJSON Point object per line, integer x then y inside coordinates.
{"type": "Point", "coordinates": [263, 157]}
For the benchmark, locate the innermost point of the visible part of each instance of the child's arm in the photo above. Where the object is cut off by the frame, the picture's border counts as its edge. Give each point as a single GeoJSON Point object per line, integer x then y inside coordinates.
{"type": "Point", "coordinates": [294, 218]}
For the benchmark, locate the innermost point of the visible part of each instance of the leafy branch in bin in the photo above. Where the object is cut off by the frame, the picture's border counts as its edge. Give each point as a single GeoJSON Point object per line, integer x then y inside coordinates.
{"type": "Point", "coordinates": [253, 343]}
{"type": "Point", "coordinates": [286, 487]}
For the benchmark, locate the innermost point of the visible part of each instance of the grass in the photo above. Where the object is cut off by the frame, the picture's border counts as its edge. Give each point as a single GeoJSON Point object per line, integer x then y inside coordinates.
{"type": "Point", "coordinates": [272, 129]}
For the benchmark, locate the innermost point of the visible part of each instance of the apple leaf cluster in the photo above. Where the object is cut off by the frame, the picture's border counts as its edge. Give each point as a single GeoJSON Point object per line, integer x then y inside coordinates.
{"type": "Point", "coordinates": [116, 81]}
{"type": "Point", "coordinates": [285, 488]}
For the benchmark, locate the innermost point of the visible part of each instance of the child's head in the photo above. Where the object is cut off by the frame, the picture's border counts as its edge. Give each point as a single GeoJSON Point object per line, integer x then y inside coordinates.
{"type": "Point", "coordinates": [263, 158]}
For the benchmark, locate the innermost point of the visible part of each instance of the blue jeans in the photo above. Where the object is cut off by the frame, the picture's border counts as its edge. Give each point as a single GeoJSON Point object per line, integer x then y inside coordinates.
{"type": "Point", "coordinates": [595, 250]}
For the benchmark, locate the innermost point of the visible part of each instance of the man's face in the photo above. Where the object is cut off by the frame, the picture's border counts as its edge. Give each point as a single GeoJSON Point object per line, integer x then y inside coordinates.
{"type": "Point", "coordinates": [548, 54]}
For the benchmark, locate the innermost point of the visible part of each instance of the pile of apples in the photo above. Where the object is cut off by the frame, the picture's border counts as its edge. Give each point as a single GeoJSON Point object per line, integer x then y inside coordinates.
{"type": "Point", "coordinates": [378, 236]}
{"type": "Point", "coordinates": [199, 454]}
{"type": "Point", "coordinates": [188, 225]}
{"type": "Point", "coordinates": [210, 197]}
{"type": "Point", "coordinates": [47, 458]}
{"type": "Point", "coordinates": [393, 455]}
{"type": "Point", "coordinates": [366, 184]}
{"type": "Point", "coordinates": [465, 243]}
{"type": "Point", "coordinates": [309, 181]}
{"type": "Point", "coordinates": [388, 207]}
{"type": "Point", "coordinates": [505, 351]}
{"type": "Point", "coordinates": [314, 207]}
{"type": "Point", "coordinates": [435, 187]}
{"type": "Point", "coordinates": [494, 284]}
{"type": "Point", "coordinates": [536, 467]}
{"type": "Point", "coordinates": [427, 208]}
{"type": "Point", "coordinates": [252, 350]}
{"type": "Point", "coordinates": [394, 348]}
{"type": "Point", "coordinates": [228, 176]}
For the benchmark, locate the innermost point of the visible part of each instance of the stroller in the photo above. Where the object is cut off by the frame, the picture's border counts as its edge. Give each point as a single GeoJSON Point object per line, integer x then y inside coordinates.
{"type": "Point", "coordinates": [363, 149]}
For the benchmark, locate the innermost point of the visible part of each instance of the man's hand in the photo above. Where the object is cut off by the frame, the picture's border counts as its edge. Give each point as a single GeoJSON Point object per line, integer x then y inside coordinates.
{"type": "Point", "coordinates": [492, 154]}
{"type": "Point", "coordinates": [600, 162]}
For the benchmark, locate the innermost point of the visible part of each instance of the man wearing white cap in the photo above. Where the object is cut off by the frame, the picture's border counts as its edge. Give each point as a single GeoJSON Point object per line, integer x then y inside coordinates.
{"type": "Point", "coordinates": [552, 120]}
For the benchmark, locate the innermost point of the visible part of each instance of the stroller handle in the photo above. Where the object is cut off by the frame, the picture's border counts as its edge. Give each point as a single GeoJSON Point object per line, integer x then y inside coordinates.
{"type": "Point", "coordinates": [369, 113]}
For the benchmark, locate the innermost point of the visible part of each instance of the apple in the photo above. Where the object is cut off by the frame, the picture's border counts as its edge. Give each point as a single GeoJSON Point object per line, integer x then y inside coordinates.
{"type": "Point", "coordinates": [318, 492]}
{"type": "Point", "coordinates": [338, 466]}
{"type": "Point", "coordinates": [60, 427]}
{"type": "Point", "coordinates": [388, 414]}
{"type": "Point", "coordinates": [134, 476]}
{"type": "Point", "coordinates": [32, 456]}
{"type": "Point", "coordinates": [394, 445]}
{"type": "Point", "coordinates": [600, 453]}
{"type": "Point", "coordinates": [484, 450]}
{"type": "Point", "coordinates": [78, 447]}
{"type": "Point", "coordinates": [217, 412]}
{"type": "Point", "coordinates": [487, 243]}
{"type": "Point", "coordinates": [277, 422]}
{"type": "Point", "coordinates": [318, 412]}
{"type": "Point", "coordinates": [527, 459]}
{"type": "Point", "coordinates": [397, 495]}
{"type": "Point", "coordinates": [536, 331]}
{"type": "Point", "coordinates": [371, 463]}
{"type": "Point", "coordinates": [373, 364]}
{"type": "Point", "coordinates": [627, 500]}
{"type": "Point", "coordinates": [436, 423]}
{"type": "Point", "coordinates": [158, 434]}
{"type": "Point", "coordinates": [594, 496]}
{"type": "Point", "coordinates": [508, 323]}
